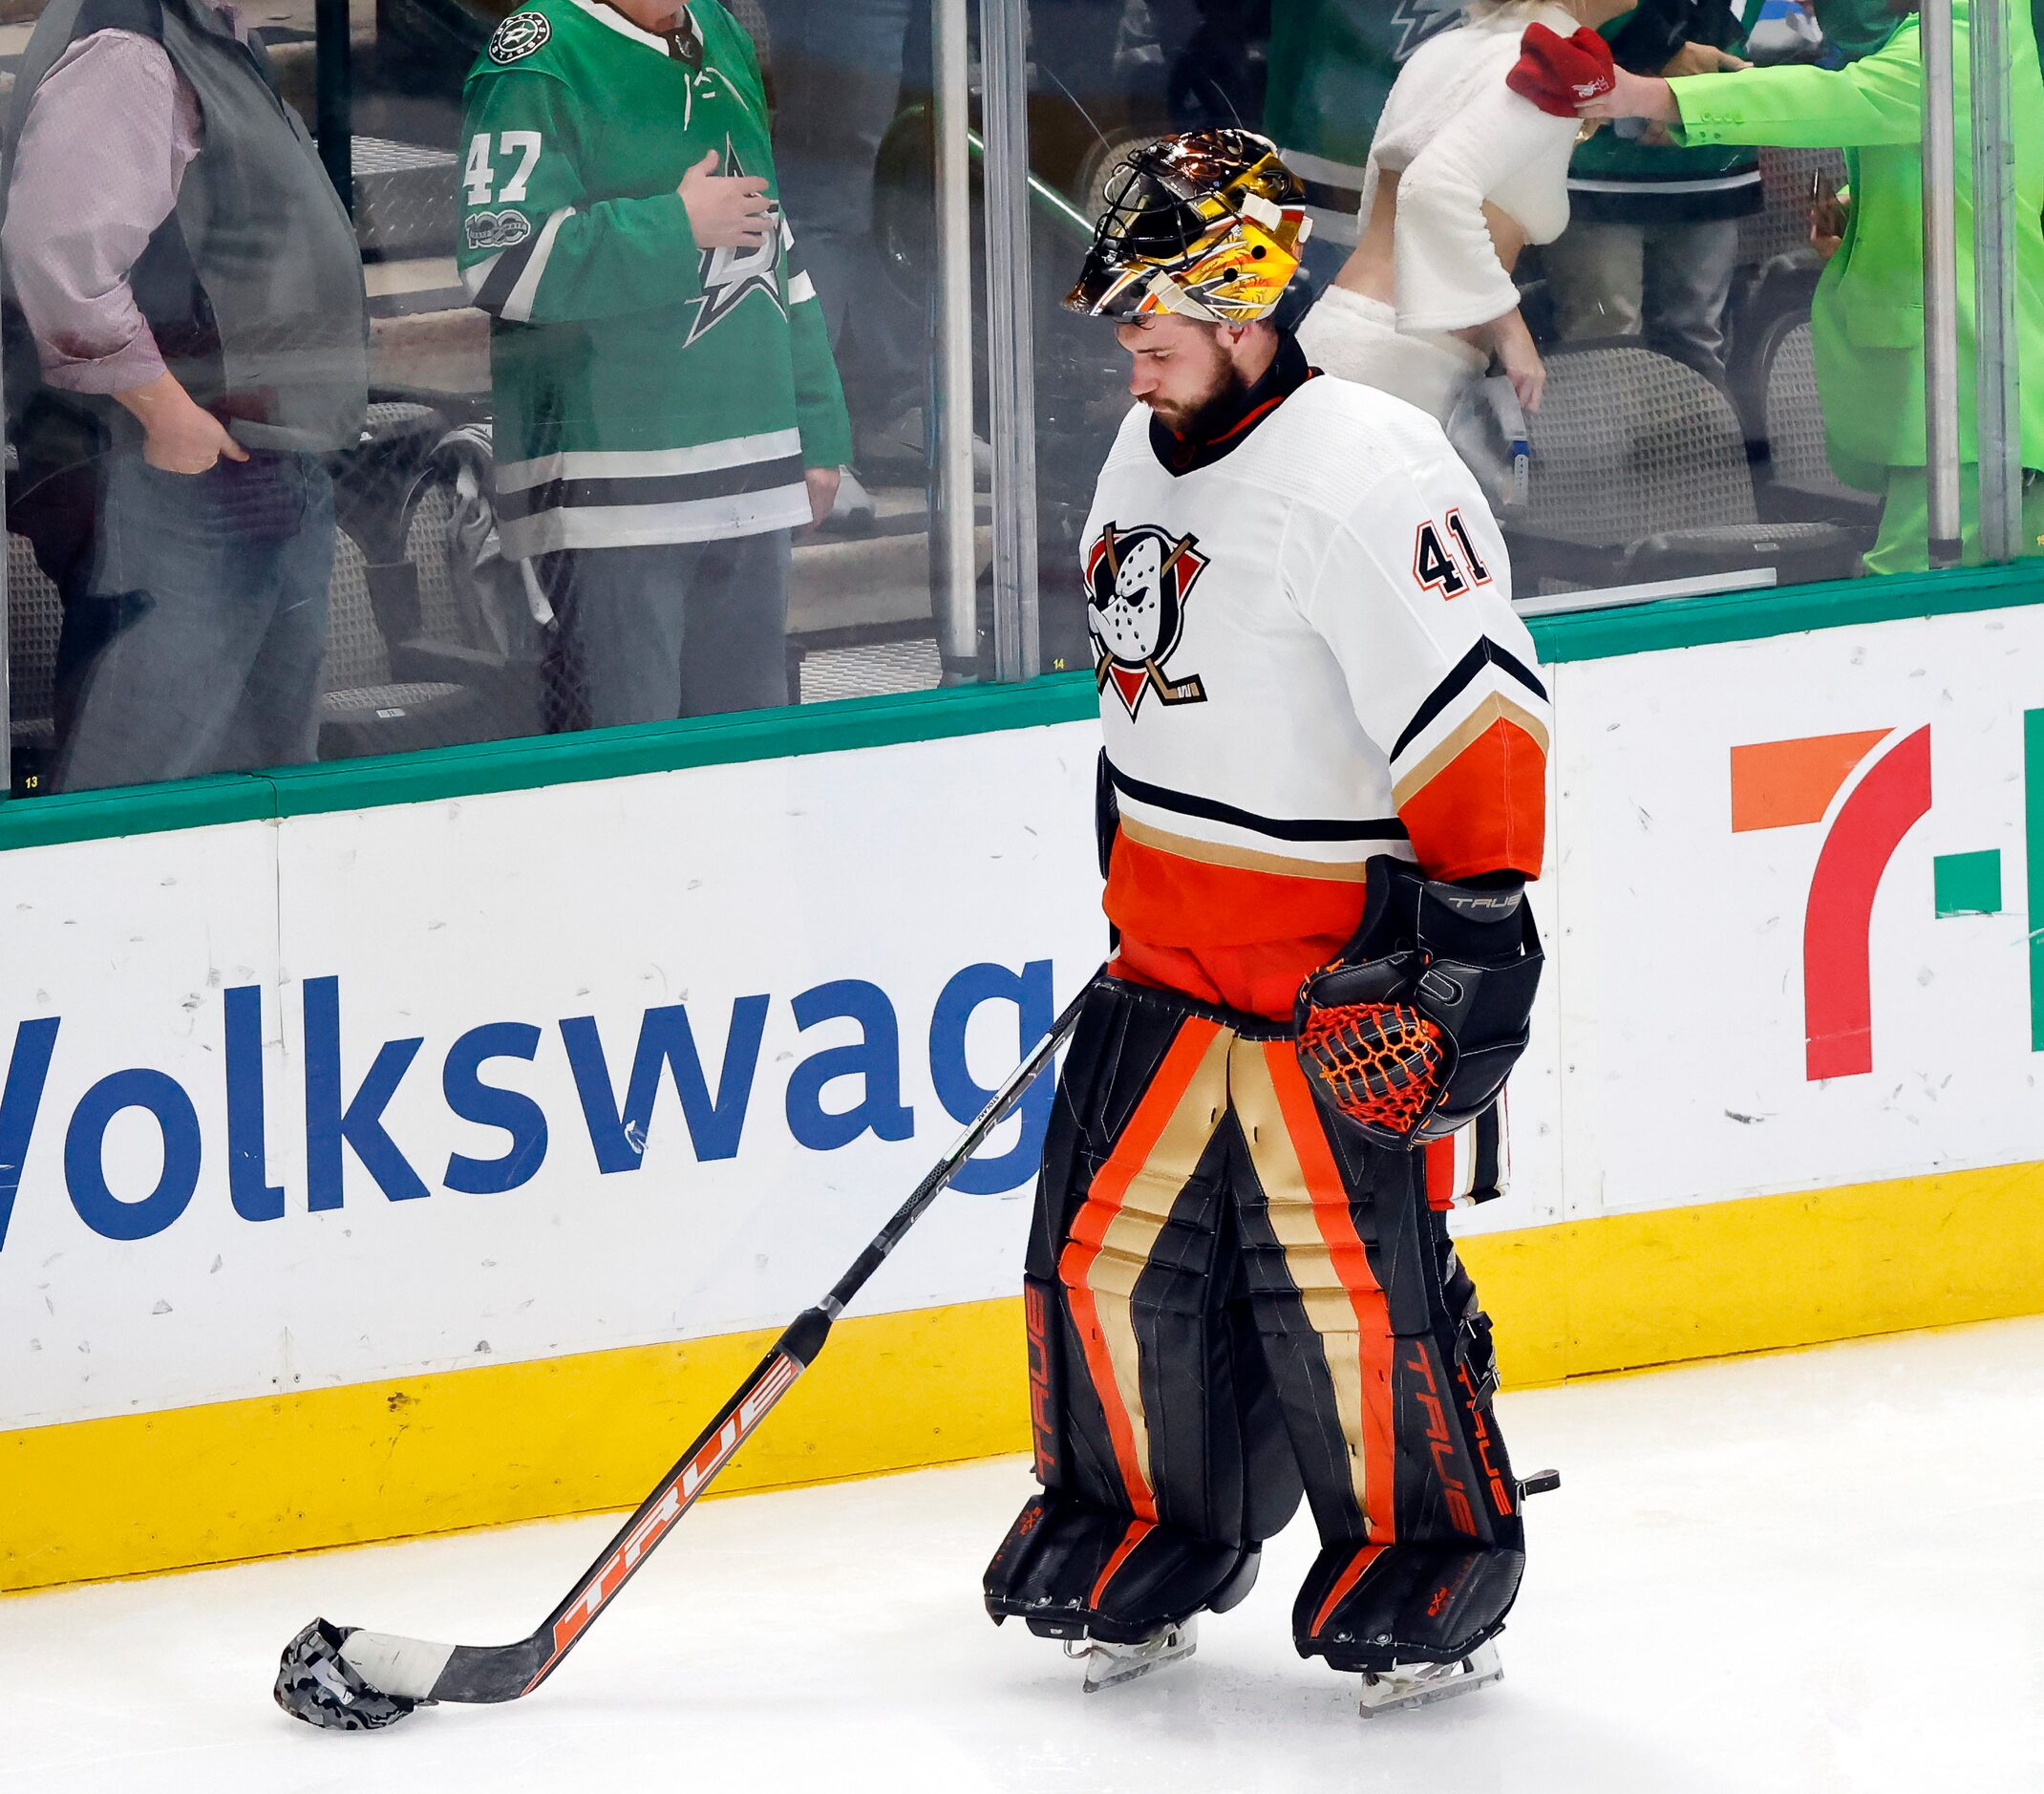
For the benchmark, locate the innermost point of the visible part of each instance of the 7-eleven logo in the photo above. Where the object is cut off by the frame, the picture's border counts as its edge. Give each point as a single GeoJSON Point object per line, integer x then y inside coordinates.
{"type": "Point", "coordinates": [1884, 777]}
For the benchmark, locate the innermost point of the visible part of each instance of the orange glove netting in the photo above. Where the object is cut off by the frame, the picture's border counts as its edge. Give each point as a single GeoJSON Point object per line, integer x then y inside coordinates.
{"type": "Point", "coordinates": [1379, 1062]}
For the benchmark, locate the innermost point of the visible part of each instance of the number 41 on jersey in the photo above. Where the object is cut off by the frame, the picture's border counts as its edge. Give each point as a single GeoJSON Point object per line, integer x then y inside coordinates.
{"type": "Point", "coordinates": [1445, 560]}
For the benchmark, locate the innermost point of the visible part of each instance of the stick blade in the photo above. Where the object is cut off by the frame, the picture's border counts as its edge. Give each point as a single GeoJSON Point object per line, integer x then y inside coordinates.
{"type": "Point", "coordinates": [316, 1684]}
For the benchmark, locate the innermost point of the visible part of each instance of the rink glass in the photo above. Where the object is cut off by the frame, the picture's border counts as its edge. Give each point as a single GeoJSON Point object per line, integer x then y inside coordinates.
{"type": "Point", "coordinates": [938, 167]}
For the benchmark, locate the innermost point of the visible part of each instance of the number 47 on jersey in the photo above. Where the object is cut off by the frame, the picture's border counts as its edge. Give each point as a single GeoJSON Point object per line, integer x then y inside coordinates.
{"type": "Point", "coordinates": [479, 177]}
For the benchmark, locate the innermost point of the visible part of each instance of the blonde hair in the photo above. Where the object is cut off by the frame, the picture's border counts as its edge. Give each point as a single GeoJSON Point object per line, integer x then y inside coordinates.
{"type": "Point", "coordinates": [1482, 11]}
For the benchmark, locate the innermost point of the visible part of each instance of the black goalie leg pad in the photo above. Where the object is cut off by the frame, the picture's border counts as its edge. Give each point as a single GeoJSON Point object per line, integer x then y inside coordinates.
{"type": "Point", "coordinates": [1366, 1608]}
{"type": "Point", "coordinates": [315, 1684]}
{"type": "Point", "coordinates": [1073, 1572]}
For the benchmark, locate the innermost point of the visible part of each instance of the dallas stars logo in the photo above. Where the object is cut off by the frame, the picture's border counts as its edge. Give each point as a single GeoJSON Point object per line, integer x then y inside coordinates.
{"type": "Point", "coordinates": [518, 35]}
{"type": "Point", "coordinates": [1417, 20]}
{"type": "Point", "coordinates": [728, 275]}
{"type": "Point", "coordinates": [1136, 584]}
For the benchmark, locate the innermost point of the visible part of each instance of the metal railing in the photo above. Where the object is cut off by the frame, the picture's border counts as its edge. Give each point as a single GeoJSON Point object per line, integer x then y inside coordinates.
{"type": "Point", "coordinates": [1941, 285]}
{"type": "Point", "coordinates": [954, 553]}
{"type": "Point", "coordinates": [1998, 348]}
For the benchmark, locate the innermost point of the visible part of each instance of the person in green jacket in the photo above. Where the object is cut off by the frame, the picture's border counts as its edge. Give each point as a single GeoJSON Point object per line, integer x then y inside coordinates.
{"type": "Point", "coordinates": [1866, 324]}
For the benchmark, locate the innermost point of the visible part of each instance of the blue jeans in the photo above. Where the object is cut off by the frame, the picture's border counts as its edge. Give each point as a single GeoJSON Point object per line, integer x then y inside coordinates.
{"type": "Point", "coordinates": [195, 647]}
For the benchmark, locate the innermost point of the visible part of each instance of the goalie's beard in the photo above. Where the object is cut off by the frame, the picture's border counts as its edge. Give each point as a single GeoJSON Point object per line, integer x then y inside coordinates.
{"type": "Point", "coordinates": [1215, 412]}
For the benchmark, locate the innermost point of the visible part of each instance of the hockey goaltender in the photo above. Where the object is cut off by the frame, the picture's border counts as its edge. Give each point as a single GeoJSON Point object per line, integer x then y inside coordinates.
{"type": "Point", "coordinates": [1320, 801]}
{"type": "Point", "coordinates": [1322, 792]}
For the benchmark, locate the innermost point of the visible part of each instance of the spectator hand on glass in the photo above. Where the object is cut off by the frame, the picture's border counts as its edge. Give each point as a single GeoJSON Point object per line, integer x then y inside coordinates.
{"type": "Point", "coordinates": [726, 211]}
{"type": "Point", "coordinates": [1635, 96]}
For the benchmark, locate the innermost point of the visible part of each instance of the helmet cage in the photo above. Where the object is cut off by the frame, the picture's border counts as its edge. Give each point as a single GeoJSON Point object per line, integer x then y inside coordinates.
{"type": "Point", "coordinates": [1207, 225]}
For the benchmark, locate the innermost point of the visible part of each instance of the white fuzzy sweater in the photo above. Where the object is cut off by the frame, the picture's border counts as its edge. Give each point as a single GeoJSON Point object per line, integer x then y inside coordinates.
{"type": "Point", "coordinates": [1456, 136]}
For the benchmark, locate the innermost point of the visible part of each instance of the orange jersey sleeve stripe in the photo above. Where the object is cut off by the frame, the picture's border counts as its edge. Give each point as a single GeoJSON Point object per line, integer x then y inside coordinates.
{"type": "Point", "coordinates": [1485, 810]}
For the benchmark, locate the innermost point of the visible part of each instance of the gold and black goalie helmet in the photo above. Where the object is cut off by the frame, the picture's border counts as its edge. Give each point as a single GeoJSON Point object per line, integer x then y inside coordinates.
{"type": "Point", "coordinates": [1206, 223]}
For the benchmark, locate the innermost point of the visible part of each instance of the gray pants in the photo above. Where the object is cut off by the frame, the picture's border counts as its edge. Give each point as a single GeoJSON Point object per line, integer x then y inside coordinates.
{"type": "Point", "coordinates": [1668, 281]}
{"type": "Point", "coordinates": [837, 68]}
{"type": "Point", "coordinates": [679, 629]}
{"type": "Point", "coordinates": [195, 647]}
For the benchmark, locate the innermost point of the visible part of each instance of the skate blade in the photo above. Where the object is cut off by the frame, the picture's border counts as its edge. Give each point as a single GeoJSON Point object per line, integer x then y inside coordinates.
{"type": "Point", "coordinates": [1111, 1665]}
{"type": "Point", "coordinates": [1412, 1685]}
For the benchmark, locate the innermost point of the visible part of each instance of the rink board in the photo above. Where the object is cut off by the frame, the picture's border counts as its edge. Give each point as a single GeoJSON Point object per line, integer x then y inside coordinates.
{"type": "Point", "coordinates": [434, 1163]}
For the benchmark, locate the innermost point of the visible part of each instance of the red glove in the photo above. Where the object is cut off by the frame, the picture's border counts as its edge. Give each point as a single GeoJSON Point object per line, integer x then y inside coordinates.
{"type": "Point", "coordinates": [1559, 73]}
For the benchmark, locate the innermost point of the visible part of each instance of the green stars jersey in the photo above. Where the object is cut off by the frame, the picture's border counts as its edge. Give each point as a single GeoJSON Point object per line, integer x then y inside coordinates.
{"type": "Point", "coordinates": [647, 390]}
{"type": "Point", "coordinates": [1332, 63]}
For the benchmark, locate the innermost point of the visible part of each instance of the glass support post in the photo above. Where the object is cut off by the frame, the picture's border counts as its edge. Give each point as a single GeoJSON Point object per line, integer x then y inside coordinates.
{"type": "Point", "coordinates": [1997, 344]}
{"type": "Point", "coordinates": [1011, 336]}
{"type": "Point", "coordinates": [954, 559]}
{"type": "Point", "coordinates": [1941, 289]}
{"type": "Point", "coordinates": [6, 643]}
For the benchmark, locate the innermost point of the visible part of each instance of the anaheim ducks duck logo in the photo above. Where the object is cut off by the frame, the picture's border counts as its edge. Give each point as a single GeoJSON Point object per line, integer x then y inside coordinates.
{"type": "Point", "coordinates": [1136, 584]}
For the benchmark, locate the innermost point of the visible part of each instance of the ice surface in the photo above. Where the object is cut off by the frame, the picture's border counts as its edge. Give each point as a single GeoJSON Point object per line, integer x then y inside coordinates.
{"type": "Point", "coordinates": [1811, 1572]}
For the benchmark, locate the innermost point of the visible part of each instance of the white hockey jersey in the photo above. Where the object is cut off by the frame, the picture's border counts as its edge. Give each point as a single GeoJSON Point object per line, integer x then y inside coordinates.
{"type": "Point", "coordinates": [1306, 656]}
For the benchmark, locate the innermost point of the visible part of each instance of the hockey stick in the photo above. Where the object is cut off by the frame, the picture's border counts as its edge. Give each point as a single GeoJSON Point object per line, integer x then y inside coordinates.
{"type": "Point", "coordinates": [350, 1680]}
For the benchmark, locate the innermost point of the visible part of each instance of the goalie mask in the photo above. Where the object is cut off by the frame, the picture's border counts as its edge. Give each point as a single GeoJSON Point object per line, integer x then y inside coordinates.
{"type": "Point", "coordinates": [1207, 224]}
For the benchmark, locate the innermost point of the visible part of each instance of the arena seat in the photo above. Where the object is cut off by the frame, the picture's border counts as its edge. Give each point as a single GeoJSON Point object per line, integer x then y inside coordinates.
{"type": "Point", "coordinates": [1639, 474]}
{"type": "Point", "coordinates": [1776, 384]}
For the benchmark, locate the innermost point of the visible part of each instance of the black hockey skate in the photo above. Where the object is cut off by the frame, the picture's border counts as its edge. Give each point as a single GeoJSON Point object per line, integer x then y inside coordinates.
{"type": "Point", "coordinates": [1122, 1596]}
{"type": "Point", "coordinates": [1419, 1622]}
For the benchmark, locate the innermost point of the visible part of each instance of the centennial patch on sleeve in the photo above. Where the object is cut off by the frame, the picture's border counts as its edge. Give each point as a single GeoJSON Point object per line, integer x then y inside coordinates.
{"type": "Point", "coordinates": [497, 230]}
{"type": "Point", "coordinates": [518, 35]}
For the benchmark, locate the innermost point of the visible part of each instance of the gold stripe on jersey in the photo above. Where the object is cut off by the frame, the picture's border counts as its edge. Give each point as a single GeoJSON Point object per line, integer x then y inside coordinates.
{"type": "Point", "coordinates": [1494, 706]}
{"type": "Point", "coordinates": [1240, 859]}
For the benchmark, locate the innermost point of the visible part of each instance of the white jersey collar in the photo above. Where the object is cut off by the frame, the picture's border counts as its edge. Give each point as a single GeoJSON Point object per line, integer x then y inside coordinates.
{"type": "Point", "coordinates": [625, 27]}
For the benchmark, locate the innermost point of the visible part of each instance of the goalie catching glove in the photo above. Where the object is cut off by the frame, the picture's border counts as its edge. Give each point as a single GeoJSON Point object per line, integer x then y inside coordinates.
{"type": "Point", "coordinates": [1411, 1033]}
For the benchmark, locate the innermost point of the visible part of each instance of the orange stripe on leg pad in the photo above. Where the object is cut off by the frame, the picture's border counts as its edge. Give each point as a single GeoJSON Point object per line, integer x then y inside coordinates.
{"type": "Point", "coordinates": [1351, 1264]}
{"type": "Point", "coordinates": [1343, 1583]}
{"type": "Point", "coordinates": [1130, 1156]}
{"type": "Point", "coordinates": [1438, 1157]}
{"type": "Point", "coordinates": [1099, 1367]}
{"type": "Point", "coordinates": [1137, 1532]}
